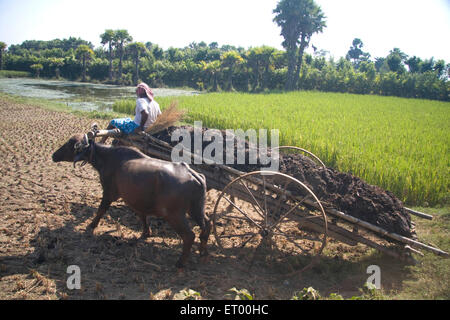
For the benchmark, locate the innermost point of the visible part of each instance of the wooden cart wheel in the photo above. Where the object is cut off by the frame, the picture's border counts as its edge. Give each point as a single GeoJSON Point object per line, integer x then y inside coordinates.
{"type": "Point", "coordinates": [309, 153]}
{"type": "Point", "coordinates": [269, 210]}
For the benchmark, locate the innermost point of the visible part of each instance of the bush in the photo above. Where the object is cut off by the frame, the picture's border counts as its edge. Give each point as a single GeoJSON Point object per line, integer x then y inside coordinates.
{"type": "Point", "coordinates": [14, 74]}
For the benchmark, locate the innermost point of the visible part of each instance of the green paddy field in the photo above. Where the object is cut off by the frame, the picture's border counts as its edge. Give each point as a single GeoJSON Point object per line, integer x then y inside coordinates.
{"type": "Point", "coordinates": [399, 144]}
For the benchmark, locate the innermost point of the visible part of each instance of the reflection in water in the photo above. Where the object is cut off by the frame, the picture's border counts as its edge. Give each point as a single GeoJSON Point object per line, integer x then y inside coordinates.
{"type": "Point", "coordinates": [80, 96]}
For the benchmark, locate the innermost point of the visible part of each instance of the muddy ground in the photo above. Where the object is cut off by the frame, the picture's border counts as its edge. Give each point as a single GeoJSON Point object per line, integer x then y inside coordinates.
{"type": "Point", "coordinates": [46, 207]}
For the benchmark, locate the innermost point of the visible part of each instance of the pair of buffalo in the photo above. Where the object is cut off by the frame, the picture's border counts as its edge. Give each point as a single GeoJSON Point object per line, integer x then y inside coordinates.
{"type": "Point", "coordinates": [149, 186]}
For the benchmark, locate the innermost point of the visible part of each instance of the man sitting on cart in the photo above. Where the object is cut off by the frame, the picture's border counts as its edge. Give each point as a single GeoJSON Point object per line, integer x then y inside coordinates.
{"type": "Point", "coordinates": [146, 112]}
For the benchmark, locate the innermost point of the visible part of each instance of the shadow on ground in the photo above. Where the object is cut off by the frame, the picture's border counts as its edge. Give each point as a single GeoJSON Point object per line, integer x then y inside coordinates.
{"type": "Point", "coordinates": [115, 264]}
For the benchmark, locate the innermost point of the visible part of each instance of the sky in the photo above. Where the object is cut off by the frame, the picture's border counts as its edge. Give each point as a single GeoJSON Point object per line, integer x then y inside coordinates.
{"type": "Point", "coordinates": [417, 27]}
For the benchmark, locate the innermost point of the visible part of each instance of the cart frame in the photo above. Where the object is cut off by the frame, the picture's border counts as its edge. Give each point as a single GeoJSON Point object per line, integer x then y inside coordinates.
{"type": "Point", "coordinates": [338, 225]}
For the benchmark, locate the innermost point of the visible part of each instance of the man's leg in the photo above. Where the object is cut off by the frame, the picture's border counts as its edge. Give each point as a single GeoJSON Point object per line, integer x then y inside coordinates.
{"type": "Point", "coordinates": [110, 126]}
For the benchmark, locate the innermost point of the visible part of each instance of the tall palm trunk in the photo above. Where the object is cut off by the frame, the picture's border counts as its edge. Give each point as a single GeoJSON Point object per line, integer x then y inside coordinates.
{"type": "Point", "coordinates": [256, 77]}
{"type": "Point", "coordinates": [303, 45]}
{"type": "Point", "coordinates": [215, 85]}
{"type": "Point", "coordinates": [265, 78]}
{"type": "Point", "coordinates": [290, 81]}
{"type": "Point", "coordinates": [119, 76]}
{"type": "Point", "coordinates": [84, 68]}
{"type": "Point", "coordinates": [110, 61]}
{"type": "Point", "coordinates": [230, 80]}
{"type": "Point", "coordinates": [136, 62]}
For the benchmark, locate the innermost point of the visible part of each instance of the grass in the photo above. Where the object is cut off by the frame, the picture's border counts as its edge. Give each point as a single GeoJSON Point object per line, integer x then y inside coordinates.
{"type": "Point", "coordinates": [14, 74]}
{"type": "Point", "coordinates": [430, 279]}
{"type": "Point", "coordinates": [399, 144]}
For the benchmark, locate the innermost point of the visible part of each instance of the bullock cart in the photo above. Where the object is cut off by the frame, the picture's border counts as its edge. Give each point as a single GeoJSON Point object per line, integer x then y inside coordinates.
{"type": "Point", "coordinates": [274, 213]}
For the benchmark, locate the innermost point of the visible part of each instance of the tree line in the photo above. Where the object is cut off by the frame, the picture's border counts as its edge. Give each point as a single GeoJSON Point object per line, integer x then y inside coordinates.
{"type": "Point", "coordinates": [214, 68]}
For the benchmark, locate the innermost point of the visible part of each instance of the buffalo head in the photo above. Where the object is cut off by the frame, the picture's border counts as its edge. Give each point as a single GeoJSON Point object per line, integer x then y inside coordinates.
{"type": "Point", "coordinates": [74, 150]}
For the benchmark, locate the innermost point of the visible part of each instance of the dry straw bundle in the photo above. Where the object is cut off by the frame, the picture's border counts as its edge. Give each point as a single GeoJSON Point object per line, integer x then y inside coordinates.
{"type": "Point", "coordinates": [167, 118]}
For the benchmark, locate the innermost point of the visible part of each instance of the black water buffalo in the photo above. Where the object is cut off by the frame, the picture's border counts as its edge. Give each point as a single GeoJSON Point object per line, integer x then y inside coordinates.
{"type": "Point", "coordinates": [149, 186]}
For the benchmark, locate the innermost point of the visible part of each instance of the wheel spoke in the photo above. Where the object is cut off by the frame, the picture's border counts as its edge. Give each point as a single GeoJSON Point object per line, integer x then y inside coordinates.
{"type": "Point", "coordinates": [231, 218]}
{"type": "Point", "coordinates": [248, 240]}
{"type": "Point", "coordinates": [254, 199]}
{"type": "Point", "coordinates": [238, 235]}
{"type": "Point", "coordinates": [241, 211]}
{"type": "Point", "coordinates": [265, 201]}
{"type": "Point", "coordinates": [269, 208]}
{"type": "Point", "coordinates": [288, 212]}
{"type": "Point", "coordinates": [281, 196]}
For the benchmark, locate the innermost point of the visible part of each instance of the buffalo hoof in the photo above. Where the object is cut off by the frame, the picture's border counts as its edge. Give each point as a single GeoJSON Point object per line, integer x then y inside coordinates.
{"type": "Point", "coordinates": [145, 235]}
{"type": "Point", "coordinates": [90, 230]}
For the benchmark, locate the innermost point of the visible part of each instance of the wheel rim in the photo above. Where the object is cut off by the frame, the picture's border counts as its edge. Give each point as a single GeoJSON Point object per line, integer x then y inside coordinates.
{"type": "Point", "coordinates": [316, 158]}
{"type": "Point", "coordinates": [263, 208]}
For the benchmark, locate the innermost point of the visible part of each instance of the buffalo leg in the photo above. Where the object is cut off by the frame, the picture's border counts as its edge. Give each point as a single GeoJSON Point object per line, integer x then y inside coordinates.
{"type": "Point", "coordinates": [104, 205]}
{"type": "Point", "coordinates": [204, 235]}
{"type": "Point", "coordinates": [181, 226]}
{"type": "Point", "coordinates": [197, 212]}
{"type": "Point", "coordinates": [146, 229]}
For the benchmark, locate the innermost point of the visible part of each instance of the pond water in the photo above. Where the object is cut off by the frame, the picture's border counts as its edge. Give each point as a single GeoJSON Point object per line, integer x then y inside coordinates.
{"type": "Point", "coordinates": [78, 95]}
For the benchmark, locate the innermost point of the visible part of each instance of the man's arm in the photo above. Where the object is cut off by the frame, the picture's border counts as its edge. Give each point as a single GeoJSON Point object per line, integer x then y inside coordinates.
{"type": "Point", "coordinates": [144, 117]}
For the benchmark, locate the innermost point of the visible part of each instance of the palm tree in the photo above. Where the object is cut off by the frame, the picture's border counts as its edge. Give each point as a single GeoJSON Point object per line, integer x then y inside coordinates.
{"type": "Point", "coordinates": [37, 67]}
{"type": "Point", "coordinates": [260, 59]}
{"type": "Point", "coordinates": [136, 50]}
{"type": "Point", "coordinates": [2, 48]}
{"type": "Point", "coordinates": [299, 20]}
{"type": "Point", "coordinates": [121, 38]}
{"type": "Point", "coordinates": [108, 38]}
{"type": "Point", "coordinates": [56, 63]}
{"type": "Point", "coordinates": [84, 53]}
{"type": "Point", "coordinates": [230, 60]}
{"type": "Point", "coordinates": [212, 68]}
